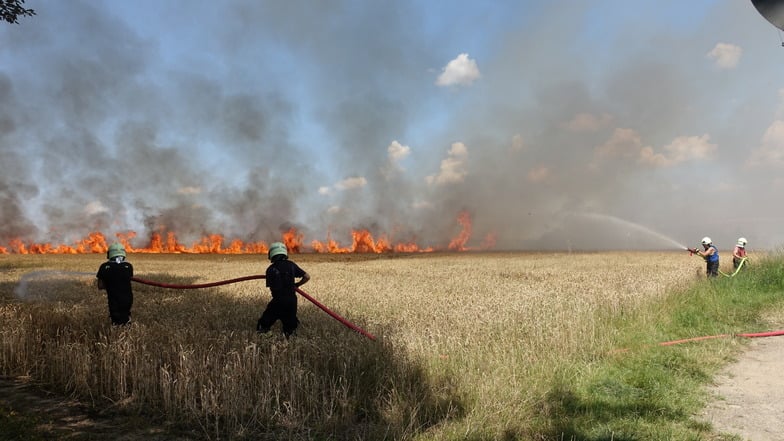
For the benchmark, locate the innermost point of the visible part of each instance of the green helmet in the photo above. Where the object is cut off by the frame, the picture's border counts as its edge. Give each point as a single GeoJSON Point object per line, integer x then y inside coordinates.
{"type": "Point", "coordinates": [115, 250]}
{"type": "Point", "coordinates": [276, 249]}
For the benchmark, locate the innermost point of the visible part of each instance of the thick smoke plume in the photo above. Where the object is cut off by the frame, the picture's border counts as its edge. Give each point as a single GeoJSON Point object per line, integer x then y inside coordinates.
{"type": "Point", "coordinates": [250, 118]}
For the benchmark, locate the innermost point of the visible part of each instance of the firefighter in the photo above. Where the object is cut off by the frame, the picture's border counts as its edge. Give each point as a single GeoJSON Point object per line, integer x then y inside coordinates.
{"type": "Point", "coordinates": [739, 253]}
{"type": "Point", "coordinates": [114, 276]}
{"type": "Point", "coordinates": [711, 256]}
{"type": "Point", "coordinates": [281, 278]}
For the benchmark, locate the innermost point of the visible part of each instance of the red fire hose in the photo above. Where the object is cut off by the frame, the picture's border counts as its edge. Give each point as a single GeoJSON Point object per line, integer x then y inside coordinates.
{"type": "Point", "coordinates": [762, 334]}
{"type": "Point", "coordinates": [710, 337]}
{"type": "Point", "coordinates": [335, 316]}
{"type": "Point", "coordinates": [241, 279]}
{"type": "Point", "coordinates": [202, 285]}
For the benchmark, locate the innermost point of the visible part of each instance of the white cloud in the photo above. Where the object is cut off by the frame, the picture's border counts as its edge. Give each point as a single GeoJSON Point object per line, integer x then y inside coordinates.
{"type": "Point", "coordinates": [686, 148]}
{"type": "Point", "coordinates": [627, 144]}
{"type": "Point", "coordinates": [623, 143]}
{"type": "Point", "coordinates": [189, 190]}
{"type": "Point", "coordinates": [95, 207]}
{"type": "Point", "coordinates": [648, 156]}
{"type": "Point", "coordinates": [725, 55]}
{"type": "Point", "coordinates": [422, 205]}
{"type": "Point", "coordinates": [588, 122]}
{"type": "Point", "coordinates": [452, 167]}
{"type": "Point", "coordinates": [518, 144]}
{"type": "Point", "coordinates": [397, 152]}
{"type": "Point", "coordinates": [351, 183]}
{"type": "Point", "coordinates": [335, 209]}
{"type": "Point", "coordinates": [681, 149]}
{"type": "Point", "coordinates": [345, 184]}
{"type": "Point", "coordinates": [538, 174]}
{"type": "Point", "coordinates": [462, 71]}
{"type": "Point", "coordinates": [771, 152]}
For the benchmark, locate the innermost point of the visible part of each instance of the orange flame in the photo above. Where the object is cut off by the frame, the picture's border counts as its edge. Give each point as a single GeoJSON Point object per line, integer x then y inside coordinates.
{"type": "Point", "coordinates": [459, 241]}
{"type": "Point", "coordinates": [166, 242]}
{"type": "Point", "coordinates": [489, 242]}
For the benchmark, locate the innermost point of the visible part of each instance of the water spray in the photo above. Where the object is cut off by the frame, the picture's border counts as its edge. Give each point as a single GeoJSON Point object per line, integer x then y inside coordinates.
{"type": "Point", "coordinates": [20, 291]}
{"type": "Point", "coordinates": [634, 226]}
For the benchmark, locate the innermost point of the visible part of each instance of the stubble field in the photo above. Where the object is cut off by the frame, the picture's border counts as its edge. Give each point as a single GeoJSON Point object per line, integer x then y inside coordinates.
{"type": "Point", "coordinates": [467, 346]}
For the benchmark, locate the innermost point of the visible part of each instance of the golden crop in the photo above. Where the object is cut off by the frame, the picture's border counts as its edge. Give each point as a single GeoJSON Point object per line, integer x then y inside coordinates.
{"type": "Point", "coordinates": [464, 339]}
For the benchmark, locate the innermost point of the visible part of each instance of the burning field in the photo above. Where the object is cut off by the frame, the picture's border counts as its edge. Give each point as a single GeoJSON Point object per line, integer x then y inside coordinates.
{"type": "Point", "coordinates": [362, 241]}
{"type": "Point", "coordinates": [467, 342]}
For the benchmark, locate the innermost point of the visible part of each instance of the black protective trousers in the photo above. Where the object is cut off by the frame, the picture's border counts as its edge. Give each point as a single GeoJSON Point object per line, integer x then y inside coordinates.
{"type": "Point", "coordinates": [712, 268]}
{"type": "Point", "coordinates": [120, 309]}
{"type": "Point", "coordinates": [283, 308]}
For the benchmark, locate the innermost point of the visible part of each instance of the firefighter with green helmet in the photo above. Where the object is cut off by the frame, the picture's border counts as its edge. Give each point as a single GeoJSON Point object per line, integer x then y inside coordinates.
{"type": "Point", "coordinates": [281, 278]}
{"type": "Point", "coordinates": [114, 276]}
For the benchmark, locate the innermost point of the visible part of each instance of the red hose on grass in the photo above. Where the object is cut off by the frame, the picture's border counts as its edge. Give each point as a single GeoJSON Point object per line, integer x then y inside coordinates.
{"type": "Point", "coordinates": [710, 337]}
{"type": "Point", "coordinates": [685, 340]}
{"type": "Point", "coordinates": [762, 334]}
{"type": "Point", "coordinates": [242, 279]}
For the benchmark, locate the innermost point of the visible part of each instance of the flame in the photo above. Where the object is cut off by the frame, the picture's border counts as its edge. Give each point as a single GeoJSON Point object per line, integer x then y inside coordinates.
{"type": "Point", "coordinates": [331, 246]}
{"type": "Point", "coordinates": [459, 241]}
{"type": "Point", "coordinates": [489, 242]}
{"type": "Point", "coordinates": [167, 242]}
{"type": "Point", "coordinates": [293, 240]}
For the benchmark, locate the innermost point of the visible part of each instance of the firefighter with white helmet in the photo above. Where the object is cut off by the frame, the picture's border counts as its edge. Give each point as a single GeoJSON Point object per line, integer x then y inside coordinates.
{"type": "Point", "coordinates": [281, 278]}
{"type": "Point", "coordinates": [739, 253]}
{"type": "Point", "coordinates": [711, 255]}
{"type": "Point", "coordinates": [114, 276]}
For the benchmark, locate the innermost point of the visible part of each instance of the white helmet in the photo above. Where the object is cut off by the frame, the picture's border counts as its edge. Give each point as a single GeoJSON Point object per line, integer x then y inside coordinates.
{"type": "Point", "coordinates": [742, 242]}
{"type": "Point", "coordinates": [706, 240]}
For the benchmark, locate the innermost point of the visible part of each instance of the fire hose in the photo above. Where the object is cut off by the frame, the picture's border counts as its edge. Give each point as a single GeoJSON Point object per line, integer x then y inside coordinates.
{"type": "Point", "coordinates": [711, 337]}
{"type": "Point", "coordinates": [693, 252]}
{"type": "Point", "coordinates": [740, 265]}
{"type": "Point", "coordinates": [332, 314]}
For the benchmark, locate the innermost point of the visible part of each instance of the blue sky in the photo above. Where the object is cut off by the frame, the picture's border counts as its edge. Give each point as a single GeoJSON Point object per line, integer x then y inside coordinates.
{"type": "Point", "coordinates": [544, 120]}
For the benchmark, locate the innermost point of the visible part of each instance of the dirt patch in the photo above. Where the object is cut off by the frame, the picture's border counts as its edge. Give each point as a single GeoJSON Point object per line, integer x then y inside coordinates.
{"type": "Point", "coordinates": [55, 417]}
{"type": "Point", "coordinates": [750, 393]}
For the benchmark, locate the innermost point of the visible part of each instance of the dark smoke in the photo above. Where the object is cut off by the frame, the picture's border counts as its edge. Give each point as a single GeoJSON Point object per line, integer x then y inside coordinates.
{"type": "Point", "coordinates": [110, 122]}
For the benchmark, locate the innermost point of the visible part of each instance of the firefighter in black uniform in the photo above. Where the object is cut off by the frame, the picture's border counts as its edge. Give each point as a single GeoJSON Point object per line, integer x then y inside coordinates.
{"type": "Point", "coordinates": [114, 276]}
{"type": "Point", "coordinates": [280, 276]}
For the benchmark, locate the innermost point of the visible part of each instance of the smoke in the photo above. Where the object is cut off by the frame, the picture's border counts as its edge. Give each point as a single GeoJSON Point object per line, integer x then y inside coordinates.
{"type": "Point", "coordinates": [246, 119]}
{"type": "Point", "coordinates": [47, 284]}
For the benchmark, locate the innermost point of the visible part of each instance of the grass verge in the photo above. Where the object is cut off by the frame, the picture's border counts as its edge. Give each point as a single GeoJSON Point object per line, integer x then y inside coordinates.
{"type": "Point", "coordinates": [648, 391]}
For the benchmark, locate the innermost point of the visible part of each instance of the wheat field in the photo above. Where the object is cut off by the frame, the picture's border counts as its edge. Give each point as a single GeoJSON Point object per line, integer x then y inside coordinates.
{"type": "Point", "coordinates": [467, 343]}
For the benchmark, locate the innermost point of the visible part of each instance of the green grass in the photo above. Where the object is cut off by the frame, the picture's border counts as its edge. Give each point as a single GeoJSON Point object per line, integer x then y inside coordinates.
{"type": "Point", "coordinates": [650, 391]}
